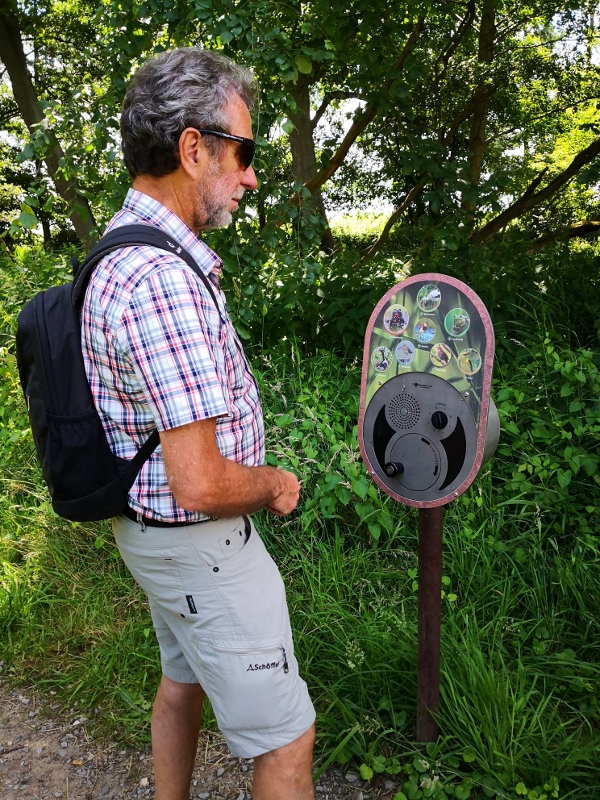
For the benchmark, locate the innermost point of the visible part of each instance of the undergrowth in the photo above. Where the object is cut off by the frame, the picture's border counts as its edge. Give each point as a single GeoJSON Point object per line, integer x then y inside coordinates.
{"type": "Point", "coordinates": [520, 682]}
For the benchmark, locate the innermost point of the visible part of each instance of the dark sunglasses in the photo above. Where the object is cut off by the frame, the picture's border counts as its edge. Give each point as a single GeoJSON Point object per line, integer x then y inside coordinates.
{"type": "Point", "coordinates": [246, 149]}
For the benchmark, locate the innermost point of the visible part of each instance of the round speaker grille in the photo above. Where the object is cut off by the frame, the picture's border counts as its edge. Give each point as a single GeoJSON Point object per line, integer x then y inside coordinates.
{"type": "Point", "coordinates": [403, 411]}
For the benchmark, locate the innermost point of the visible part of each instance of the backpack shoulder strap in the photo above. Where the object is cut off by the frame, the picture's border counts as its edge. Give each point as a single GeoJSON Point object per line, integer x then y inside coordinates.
{"type": "Point", "coordinates": [127, 236]}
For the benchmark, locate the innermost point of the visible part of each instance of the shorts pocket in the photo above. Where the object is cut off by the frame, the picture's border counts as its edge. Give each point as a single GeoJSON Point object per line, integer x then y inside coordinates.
{"type": "Point", "coordinates": [255, 684]}
{"type": "Point", "coordinates": [160, 577]}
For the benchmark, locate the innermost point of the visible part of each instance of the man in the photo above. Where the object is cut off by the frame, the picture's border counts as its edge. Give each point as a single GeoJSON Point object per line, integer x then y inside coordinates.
{"type": "Point", "coordinates": [160, 354]}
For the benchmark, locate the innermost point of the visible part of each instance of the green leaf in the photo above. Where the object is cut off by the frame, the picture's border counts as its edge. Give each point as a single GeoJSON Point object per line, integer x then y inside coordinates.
{"type": "Point", "coordinates": [378, 763]}
{"type": "Point", "coordinates": [303, 63]}
{"type": "Point", "coordinates": [27, 218]}
{"type": "Point", "coordinates": [420, 764]}
{"type": "Point", "coordinates": [564, 478]}
{"type": "Point", "coordinates": [399, 796]}
{"type": "Point", "coordinates": [520, 788]}
{"type": "Point", "coordinates": [462, 792]}
{"type": "Point", "coordinates": [27, 153]}
{"type": "Point", "coordinates": [366, 773]}
{"type": "Point", "coordinates": [375, 531]}
{"type": "Point", "coordinates": [469, 755]}
{"type": "Point", "coordinates": [360, 486]}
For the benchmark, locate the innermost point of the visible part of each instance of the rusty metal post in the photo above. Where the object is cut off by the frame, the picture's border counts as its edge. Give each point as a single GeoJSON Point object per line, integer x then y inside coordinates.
{"type": "Point", "coordinates": [431, 522]}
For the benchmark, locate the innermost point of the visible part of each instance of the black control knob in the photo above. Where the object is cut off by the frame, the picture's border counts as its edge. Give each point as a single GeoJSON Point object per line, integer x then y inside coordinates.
{"type": "Point", "coordinates": [393, 468]}
{"type": "Point", "coordinates": [439, 420]}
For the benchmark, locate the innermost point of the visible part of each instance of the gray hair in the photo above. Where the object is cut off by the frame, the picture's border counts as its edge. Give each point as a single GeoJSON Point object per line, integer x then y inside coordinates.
{"type": "Point", "coordinates": [184, 88]}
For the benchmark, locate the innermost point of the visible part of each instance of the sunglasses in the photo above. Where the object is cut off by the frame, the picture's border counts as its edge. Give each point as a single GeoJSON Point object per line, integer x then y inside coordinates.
{"type": "Point", "coordinates": [246, 149]}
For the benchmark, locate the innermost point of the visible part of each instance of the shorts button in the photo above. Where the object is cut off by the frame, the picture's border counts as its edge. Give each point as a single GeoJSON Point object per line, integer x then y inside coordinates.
{"type": "Point", "coordinates": [227, 541]}
{"type": "Point", "coordinates": [183, 615]}
{"type": "Point", "coordinates": [215, 569]}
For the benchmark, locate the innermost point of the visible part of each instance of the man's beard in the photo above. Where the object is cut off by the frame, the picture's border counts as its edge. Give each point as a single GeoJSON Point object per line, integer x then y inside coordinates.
{"type": "Point", "coordinates": [214, 209]}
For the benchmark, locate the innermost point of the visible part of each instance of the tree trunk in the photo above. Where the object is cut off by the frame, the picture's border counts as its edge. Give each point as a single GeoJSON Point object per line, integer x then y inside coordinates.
{"type": "Point", "coordinates": [13, 57]}
{"type": "Point", "coordinates": [477, 141]}
{"type": "Point", "coordinates": [304, 160]}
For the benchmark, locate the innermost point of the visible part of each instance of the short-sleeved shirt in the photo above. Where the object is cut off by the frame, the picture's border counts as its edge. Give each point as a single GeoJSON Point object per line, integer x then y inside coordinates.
{"type": "Point", "coordinates": [159, 354]}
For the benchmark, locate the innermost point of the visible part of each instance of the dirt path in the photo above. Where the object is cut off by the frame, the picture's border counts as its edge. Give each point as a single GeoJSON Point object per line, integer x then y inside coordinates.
{"type": "Point", "coordinates": [43, 757]}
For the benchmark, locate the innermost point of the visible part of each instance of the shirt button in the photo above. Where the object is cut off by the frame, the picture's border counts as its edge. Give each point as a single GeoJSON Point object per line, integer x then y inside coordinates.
{"type": "Point", "coordinates": [215, 569]}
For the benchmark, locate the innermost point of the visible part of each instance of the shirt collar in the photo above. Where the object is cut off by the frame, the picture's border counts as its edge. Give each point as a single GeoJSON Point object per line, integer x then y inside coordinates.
{"type": "Point", "coordinates": [154, 213]}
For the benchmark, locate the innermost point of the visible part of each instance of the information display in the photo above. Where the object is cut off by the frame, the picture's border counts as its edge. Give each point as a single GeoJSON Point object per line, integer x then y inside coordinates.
{"type": "Point", "coordinates": [425, 393]}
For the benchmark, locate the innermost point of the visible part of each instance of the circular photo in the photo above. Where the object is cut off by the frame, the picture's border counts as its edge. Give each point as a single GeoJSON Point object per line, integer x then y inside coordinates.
{"type": "Point", "coordinates": [469, 361]}
{"type": "Point", "coordinates": [425, 330]}
{"type": "Point", "coordinates": [396, 319]}
{"type": "Point", "coordinates": [429, 297]}
{"type": "Point", "coordinates": [440, 355]}
{"type": "Point", "coordinates": [457, 322]}
{"type": "Point", "coordinates": [381, 358]}
{"type": "Point", "coordinates": [405, 353]}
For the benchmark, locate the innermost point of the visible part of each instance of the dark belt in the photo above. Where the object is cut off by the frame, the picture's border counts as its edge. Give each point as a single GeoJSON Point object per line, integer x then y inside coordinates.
{"type": "Point", "coordinates": [157, 523]}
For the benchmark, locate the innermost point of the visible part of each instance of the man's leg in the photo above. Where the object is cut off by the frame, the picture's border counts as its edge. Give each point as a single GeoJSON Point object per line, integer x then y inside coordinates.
{"type": "Point", "coordinates": [285, 773]}
{"type": "Point", "coordinates": [176, 719]}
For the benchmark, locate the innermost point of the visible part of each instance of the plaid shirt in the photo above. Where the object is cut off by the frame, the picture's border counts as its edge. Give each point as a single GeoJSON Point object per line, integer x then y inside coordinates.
{"type": "Point", "coordinates": [159, 354]}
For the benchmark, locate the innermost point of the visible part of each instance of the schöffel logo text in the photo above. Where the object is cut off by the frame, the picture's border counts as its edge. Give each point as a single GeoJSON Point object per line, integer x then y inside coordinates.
{"type": "Point", "coordinates": [423, 385]}
{"type": "Point", "coordinates": [272, 665]}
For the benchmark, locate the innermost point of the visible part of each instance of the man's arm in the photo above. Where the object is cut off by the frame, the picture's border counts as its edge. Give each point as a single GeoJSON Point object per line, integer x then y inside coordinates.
{"type": "Point", "coordinates": [201, 479]}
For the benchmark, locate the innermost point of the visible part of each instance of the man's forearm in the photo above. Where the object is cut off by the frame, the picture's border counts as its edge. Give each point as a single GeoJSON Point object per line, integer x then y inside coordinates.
{"type": "Point", "coordinates": [201, 479]}
{"type": "Point", "coordinates": [238, 489]}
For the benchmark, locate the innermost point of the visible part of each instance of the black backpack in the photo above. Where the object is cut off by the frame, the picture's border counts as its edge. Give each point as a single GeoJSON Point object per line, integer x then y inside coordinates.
{"type": "Point", "coordinates": [86, 481]}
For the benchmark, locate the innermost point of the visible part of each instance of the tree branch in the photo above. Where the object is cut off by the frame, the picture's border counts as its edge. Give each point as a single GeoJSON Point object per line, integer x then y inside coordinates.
{"type": "Point", "coordinates": [531, 199]}
{"type": "Point", "coordinates": [465, 25]}
{"type": "Point", "coordinates": [361, 120]}
{"type": "Point", "coordinates": [481, 94]}
{"type": "Point", "coordinates": [552, 112]}
{"type": "Point", "coordinates": [385, 233]}
{"type": "Point", "coordinates": [581, 230]}
{"type": "Point", "coordinates": [327, 99]}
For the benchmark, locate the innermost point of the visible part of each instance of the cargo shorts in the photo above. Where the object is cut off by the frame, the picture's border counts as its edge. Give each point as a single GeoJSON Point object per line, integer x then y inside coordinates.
{"type": "Point", "coordinates": [221, 619]}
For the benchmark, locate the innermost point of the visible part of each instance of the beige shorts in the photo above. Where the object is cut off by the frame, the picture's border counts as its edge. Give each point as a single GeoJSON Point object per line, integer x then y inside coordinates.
{"type": "Point", "coordinates": [220, 615]}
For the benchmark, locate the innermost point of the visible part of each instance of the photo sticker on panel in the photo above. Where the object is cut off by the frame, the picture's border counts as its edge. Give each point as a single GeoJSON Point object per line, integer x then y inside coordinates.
{"type": "Point", "coordinates": [457, 322]}
{"type": "Point", "coordinates": [381, 358]}
{"type": "Point", "coordinates": [440, 355]}
{"type": "Point", "coordinates": [429, 297]}
{"type": "Point", "coordinates": [395, 320]}
{"type": "Point", "coordinates": [469, 361]}
{"type": "Point", "coordinates": [425, 330]}
{"type": "Point", "coordinates": [405, 353]}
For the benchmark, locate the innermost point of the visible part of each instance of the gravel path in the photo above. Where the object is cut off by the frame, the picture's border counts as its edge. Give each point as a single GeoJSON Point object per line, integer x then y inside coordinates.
{"type": "Point", "coordinates": [43, 757]}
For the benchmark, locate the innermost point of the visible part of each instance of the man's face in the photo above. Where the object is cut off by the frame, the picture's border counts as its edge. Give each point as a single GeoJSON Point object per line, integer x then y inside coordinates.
{"type": "Point", "coordinates": [223, 184]}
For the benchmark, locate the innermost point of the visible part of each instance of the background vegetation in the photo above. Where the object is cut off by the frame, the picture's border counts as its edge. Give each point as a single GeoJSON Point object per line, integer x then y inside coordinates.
{"type": "Point", "coordinates": [460, 138]}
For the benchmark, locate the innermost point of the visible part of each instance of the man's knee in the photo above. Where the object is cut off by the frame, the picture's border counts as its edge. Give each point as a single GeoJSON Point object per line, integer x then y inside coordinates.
{"type": "Point", "coordinates": [174, 693]}
{"type": "Point", "coordinates": [298, 751]}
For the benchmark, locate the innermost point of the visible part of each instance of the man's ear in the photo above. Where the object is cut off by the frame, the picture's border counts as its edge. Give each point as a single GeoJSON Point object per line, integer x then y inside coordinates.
{"type": "Point", "coordinates": [193, 155]}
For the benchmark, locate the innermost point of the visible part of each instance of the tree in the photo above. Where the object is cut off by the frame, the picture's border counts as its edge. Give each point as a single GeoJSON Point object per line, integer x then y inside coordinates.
{"type": "Point", "coordinates": [12, 54]}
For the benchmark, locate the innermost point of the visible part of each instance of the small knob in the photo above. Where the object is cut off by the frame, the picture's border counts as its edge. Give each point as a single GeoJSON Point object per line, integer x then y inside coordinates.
{"type": "Point", "coordinates": [392, 469]}
{"type": "Point", "coordinates": [439, 420]}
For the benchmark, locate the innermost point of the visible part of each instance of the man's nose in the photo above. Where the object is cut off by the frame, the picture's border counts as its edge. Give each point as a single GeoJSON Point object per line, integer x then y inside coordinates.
{"type": "Point", "coordinates": [249, 179]}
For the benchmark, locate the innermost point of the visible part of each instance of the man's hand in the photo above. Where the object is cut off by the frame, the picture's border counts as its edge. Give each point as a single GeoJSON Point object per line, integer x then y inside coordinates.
{"type": "Point", "coordinates": [288, 498]}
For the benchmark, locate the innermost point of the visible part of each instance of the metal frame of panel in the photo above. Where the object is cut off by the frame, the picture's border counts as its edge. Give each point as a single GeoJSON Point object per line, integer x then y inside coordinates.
{"type": "Point", "coordinates": [429, 325]}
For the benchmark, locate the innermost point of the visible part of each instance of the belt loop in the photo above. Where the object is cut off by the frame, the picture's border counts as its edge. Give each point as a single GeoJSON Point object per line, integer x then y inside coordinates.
{"type": "Point", "coordinates": [141, 522]}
